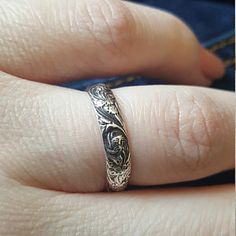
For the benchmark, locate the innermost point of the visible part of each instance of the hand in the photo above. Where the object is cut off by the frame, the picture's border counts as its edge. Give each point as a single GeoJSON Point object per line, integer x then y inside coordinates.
{"type": "Point", "coordinates": [50, 144]}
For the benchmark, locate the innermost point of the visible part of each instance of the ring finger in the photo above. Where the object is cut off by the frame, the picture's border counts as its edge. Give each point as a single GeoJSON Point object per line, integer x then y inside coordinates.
{"type": "Point", "coordinates": [49, 136]}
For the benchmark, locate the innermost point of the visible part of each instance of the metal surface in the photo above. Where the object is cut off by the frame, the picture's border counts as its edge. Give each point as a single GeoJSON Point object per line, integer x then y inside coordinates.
{"type": "Point", "coordinates": [118, 161]}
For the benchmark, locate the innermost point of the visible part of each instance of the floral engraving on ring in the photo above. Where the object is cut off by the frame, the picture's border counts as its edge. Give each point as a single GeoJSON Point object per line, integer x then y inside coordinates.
{"type": "Point", "coordinates": [118, 164]}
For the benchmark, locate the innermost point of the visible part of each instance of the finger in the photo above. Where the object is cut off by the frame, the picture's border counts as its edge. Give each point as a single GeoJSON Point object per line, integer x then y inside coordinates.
{"type": "Point", "coordinates": [55, 41]}
{"type": "Point", "coordinates": [180, 46]}
{"type": "Point", "coordinates": [144, 212]}
{"type": "Point", "coordinates": [211, 66]}
{"type": "Point", "coordinates": [50, 138]}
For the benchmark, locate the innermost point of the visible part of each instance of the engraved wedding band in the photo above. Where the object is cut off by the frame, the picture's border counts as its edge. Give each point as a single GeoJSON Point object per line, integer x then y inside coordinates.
{"type": "Point", "coordinates": [117, 155]}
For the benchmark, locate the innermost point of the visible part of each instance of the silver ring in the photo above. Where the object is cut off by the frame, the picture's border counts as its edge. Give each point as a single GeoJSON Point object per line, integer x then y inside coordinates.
{"type": "Point", "coordinates": [117, 155]}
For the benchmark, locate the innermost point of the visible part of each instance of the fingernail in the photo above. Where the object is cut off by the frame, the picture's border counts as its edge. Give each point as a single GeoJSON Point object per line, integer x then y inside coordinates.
{"type": "Point", "coordinates": [212, 66]}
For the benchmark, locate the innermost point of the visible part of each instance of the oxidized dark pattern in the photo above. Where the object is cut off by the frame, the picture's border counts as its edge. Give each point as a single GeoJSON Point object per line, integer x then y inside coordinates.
{"type": "Point", "coordinates": [118, 164]}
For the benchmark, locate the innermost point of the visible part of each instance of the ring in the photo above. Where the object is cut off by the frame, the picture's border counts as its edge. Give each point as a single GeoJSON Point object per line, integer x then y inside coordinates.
{"type": "Point", "coordinates": [117, 155]}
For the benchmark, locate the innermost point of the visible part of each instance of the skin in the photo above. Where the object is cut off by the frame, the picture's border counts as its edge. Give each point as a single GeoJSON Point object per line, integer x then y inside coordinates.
{"type": "Point", "coordinates": [52, 168]}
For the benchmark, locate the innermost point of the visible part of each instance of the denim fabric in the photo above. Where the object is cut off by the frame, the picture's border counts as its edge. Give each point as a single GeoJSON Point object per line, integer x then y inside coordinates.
{"type": "Point", "coordinates": [213, 23]}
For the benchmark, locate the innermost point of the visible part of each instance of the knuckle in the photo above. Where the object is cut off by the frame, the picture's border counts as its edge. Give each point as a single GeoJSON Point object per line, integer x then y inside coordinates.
{"type": "Point", "coordinates": [196, 125]}
{"type": "Point", "coordinates": [111, 24]}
